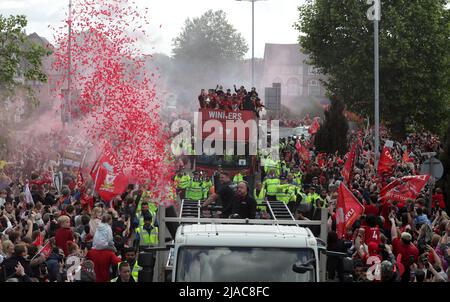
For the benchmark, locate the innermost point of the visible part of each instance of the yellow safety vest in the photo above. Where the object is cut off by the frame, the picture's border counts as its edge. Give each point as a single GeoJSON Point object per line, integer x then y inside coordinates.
{"type": "Point", "coordinates": [238, 178]}
{"type": "Point", "coordinates": [298, 179]}
{"type": "Point", "coordinates": [146, 238]}
{"type": "Point", "coordinates": [194, 191]}
{"type": "Point", "coordinates": [284, 194]}
{"type": "Point", "coordinates": [260, 199]}
{"type": "Point", "coordinates": [206, 187]}
{"type": "Point", "coordinates": [183, 181]}
{"type": "Point", "coordinates": [271, 185]}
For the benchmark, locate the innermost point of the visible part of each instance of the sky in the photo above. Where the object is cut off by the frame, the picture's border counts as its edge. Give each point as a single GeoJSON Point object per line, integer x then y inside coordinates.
{"type": "Point", "coordinates": [274, 19]}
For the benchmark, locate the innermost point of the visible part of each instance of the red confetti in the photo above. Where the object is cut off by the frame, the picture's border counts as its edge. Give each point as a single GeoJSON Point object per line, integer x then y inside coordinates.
{"type": "Point", "coordinates": [118, 109]}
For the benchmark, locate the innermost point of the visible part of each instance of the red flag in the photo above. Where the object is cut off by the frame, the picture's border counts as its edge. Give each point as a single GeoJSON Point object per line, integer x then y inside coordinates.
{"type": "Point", "coordinates": [109, 183]}
{"type": "Point", "coordinates": [387, 163]}
{"type": "Point", "coordinates": [314, 127]}
{"type": "Point", "coordinates": [80, 183]}
{"type": "Point", "coordinates": [405, 188]}
{"type": "Point", "coordinates": [349, 163]}
{"type": "Point", "coordinates": [348, 210]}
{"type": "Point", "coordinates": [302, 151]}
{"type": "Point", "coordinates": [46, 250]}
{"type": "Point", "coordinates": [321, 160]}
{"type": "Point", "coordinates": [39, 240]}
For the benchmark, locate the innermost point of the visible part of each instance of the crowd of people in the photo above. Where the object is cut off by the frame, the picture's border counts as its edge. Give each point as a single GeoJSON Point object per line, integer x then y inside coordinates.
{"type": "Point", "coordinates": [54, 228]}
{"type": "Point", "coordinates": [411, 241]}
{"type": "Point", "coordinates": [67, 233]}
{"type": "Point", "coordinates": [240, 99]}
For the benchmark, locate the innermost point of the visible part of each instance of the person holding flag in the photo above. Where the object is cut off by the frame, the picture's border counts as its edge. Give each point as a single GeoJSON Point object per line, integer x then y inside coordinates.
{"type": "Point", "coordinates": [348, 210]}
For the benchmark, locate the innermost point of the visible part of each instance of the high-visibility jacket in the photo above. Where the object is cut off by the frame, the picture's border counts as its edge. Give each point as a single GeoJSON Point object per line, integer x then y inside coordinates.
{"type": "Point", "coordinates": [194, 191]}
{"type": "Point", "coordinates": [147, 238]}
{"type": "Point", "coordinates": [298, 178]}
{"type": "Point", "coordinates": [140, 217]}
{"type": "Point", "coordinates": [206, 188]}
{"type": "Point", "coordinates": [322, 201]}
{"type": "Point", "coordinates": [183, 181]}
{"type": "Point", "coordinates": [151, 205]}
{"type": "Point", "coordinates": [134, 272]}
{"type": "Point", "coordinates": [260, 199]}
{"type": "Point", "coordinates": [311, 198]}
{"type": "Point", "coordinates": [271, 185]}
{"type": "Point", "coordinates": [293, 189]}
{"type": "Point", "coordinates": [238, 178]}
{"type": "Point", "coordinates": [270, 164]}
{"type": "Point", "coordinates": [303, 197]}
{"type": "Point", "coordinates": [284, 194]}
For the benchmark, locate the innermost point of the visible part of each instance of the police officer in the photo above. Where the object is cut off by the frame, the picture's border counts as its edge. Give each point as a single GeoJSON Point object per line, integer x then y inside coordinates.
{"type": "Point", "coordinates": [206, 185]}
{"type": "Point", "coordinates": [284, 194]}
{"type": "Point", "coordinates": [195, 190]}
{"type": "Point", "coordinates": [259, 194]}
{"type": "Point", "coordinates": [297, 177]}
{"type": "Point", "coordinates": [271, 185]}
{"type": "Point", "coordinates": [147, 235]}
{"type": "Point", "coordinates": [182, 181]}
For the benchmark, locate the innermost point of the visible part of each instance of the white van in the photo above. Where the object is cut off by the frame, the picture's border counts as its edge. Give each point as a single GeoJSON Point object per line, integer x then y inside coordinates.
{"type": "Point", "coordinates": [245, 253]}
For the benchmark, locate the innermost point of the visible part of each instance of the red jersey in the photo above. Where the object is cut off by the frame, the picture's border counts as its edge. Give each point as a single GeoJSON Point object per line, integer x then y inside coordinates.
{"type": "Point", "coordinates": [372, 234]}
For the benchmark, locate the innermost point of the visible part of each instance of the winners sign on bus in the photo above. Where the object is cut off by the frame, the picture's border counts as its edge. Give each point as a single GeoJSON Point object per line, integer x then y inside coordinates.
{"type": "Point", "coordinates": [227, 125]}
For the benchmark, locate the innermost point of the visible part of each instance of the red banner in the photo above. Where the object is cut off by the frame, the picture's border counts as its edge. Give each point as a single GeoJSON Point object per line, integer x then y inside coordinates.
{"type": "Point", "coordinates": [405, 188]}
{"type": "Point", "coordinates": [108, 183]}
{"type": "Point", "coordinates": [387, 163]}
{"type": "Point", "coordinates": [348, 210]}
{"type": "Point", "coordinates": [349, 163]}
{"type": "Point", "coordinates": [314, 127]}
{"type": "Point", "coordinates": [223, 124]}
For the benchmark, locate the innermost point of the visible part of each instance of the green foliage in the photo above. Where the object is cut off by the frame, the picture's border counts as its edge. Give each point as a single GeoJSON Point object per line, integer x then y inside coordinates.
{"type": "Point", "coordinates": [332, 135]}
{"type": "Point", "coordinates": [206, 51]}
{"type": "Point", "coordinates": [209, 38]}
{"type": "Point", "coordinates": [414, 58]}
{"type": "Point", "coordinates": [19, 57]}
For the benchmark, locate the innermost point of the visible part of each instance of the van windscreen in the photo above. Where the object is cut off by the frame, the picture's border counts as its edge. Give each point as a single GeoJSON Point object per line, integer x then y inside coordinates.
{"type": "Point", "coordinates": [242, 264]}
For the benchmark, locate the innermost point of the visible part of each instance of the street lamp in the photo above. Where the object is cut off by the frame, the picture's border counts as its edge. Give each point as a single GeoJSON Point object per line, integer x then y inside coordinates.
{"type": "Point", "coordinates": [253, 39]}
{"type": "Point", "coordinates": [69, 69]}
{"type": "Point", "coordinates": [374, 14]}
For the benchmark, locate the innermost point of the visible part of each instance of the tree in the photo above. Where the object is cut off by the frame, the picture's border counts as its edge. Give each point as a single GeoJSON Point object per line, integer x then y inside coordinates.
{"type": "Point", "coordinates": [414, 58]}
{"type": "Point", "coordinates": [206, 51]}
{"type": "Point", "coordinates": [19, 57]}
{"type": "Point", "coordinates": [445, 158]}
{"type": "Point", "coordinates": [332, 135]}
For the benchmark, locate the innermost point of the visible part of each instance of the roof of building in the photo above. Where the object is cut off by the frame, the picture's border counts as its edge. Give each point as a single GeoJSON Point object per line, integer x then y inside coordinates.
{"type": "Point", "coordinates": [34, 37]}
{"type": "Point", "coordinates": [283, 54]}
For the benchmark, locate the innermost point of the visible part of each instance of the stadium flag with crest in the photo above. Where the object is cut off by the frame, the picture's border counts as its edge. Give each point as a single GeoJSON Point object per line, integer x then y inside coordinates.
{"type": "Point", "coordinates": [108, 182]}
